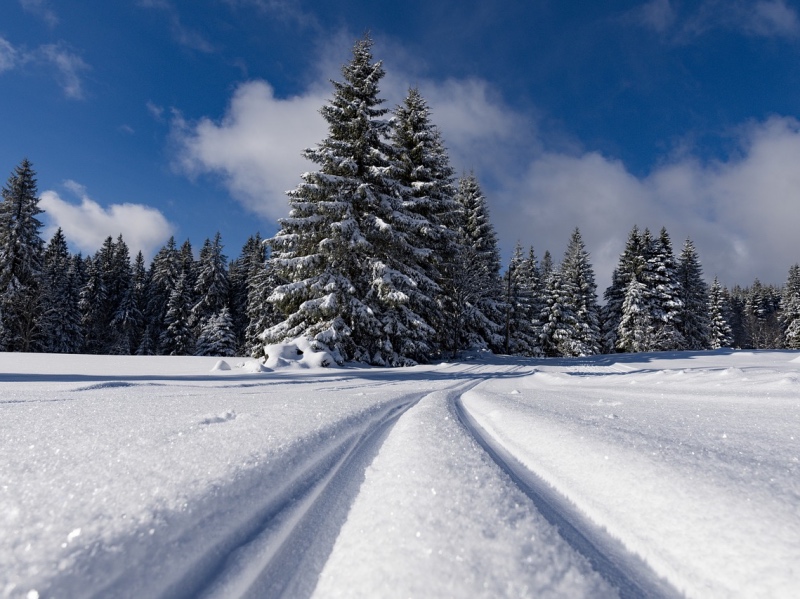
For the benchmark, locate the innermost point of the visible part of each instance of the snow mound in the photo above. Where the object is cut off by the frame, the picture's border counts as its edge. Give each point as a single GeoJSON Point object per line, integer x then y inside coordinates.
{"type": "Point", "coordinates": [253, 366]}
{"type": "Point", "coordinates": [221, 365]}
{"type": "Point", "coordinates": [297, 354]}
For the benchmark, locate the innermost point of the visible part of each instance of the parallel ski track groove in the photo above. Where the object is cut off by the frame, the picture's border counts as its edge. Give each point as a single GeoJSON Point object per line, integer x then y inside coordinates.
{"type": "Point", "coordinates": [624, 570]}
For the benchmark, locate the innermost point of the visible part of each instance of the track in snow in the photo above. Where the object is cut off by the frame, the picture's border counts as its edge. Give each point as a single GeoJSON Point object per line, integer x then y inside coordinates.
{"type": "Point", "coordinates": [624, 570]}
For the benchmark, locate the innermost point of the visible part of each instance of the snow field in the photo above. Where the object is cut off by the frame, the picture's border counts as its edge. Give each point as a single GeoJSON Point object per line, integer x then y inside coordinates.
{"type": "Point", "coordinates": [694, 467]}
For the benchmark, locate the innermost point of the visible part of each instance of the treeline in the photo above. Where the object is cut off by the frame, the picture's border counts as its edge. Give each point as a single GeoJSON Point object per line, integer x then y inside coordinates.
{"type": "Point", "coordinates": [385, 258]}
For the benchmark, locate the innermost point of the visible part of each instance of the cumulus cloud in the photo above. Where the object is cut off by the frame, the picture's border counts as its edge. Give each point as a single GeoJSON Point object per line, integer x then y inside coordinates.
{"type": "Point", "coordinates": [256, 147]}
{"type": "Point", "coordinates": [87, 224]}
{"type": "Point", "coordinates": [740, 212]}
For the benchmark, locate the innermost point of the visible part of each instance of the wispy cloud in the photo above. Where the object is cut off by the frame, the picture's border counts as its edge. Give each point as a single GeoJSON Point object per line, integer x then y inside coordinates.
{"type": "Point", "coordinates": [69, 68]}
{"type": "Point", "coordinates": [87, 224]}
{"type": "Point", "coordinates": [760, 18]}
{"type": "Point", "coordinates": [183, 35]}
{"type": "Point", "coordinates": [285, 10]}
{"type": "Point", "coordinates": [42, 9]}
{"type": "Point", "coordinates": [8, 55]}
{"type": "Point", "coordinates": [66, 64]}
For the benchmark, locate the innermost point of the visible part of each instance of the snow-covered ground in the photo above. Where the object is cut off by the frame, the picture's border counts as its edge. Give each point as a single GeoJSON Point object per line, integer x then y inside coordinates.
{"type": "Point", "coordinates": [661, 474]}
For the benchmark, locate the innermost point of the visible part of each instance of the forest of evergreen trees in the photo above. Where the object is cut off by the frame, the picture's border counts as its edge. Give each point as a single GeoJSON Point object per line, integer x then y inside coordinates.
{"type": "Point", "coordinates": [385, 258]}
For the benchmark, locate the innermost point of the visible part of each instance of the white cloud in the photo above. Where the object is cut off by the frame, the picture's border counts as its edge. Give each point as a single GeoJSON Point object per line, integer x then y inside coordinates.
{"type": "Point", "coordinates": [772, 18]}
{"type": "Point", "coordinates": [69, 67]}
{"type": "Point", "coordinates": [87, 224]}
{"type": "Point", "coordinates": [256, 147]}
{"type": "Point", "coordinates": [8, 55]}
{"type": "Point", "coordinates": [42, 9]}
{"type": "Point", "coordinates": [741, 213]}
{"type": "Point", "coordinates": [761, 18]}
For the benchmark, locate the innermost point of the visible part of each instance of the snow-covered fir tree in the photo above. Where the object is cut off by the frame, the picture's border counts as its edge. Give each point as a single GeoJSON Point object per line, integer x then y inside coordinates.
{"type": "Point", "coordinates": [21, 250]}
{"type": "Point", "coordinates": [216, 336]}
{"type": "Point", "coordinates": [177, 339]}
{"type": "Point", "coordinates": [472, 280]}
{"type": "Point", "coordinates": [61, 319]}
{"type": "Point", "coordinates": [631, 265]}
{"type": "Point", "coordinates": [211, 287]}
{"type": "Point", "coordinates": [719, 330]}
{"type": "Point", "coordinates": [254, 251]}
{"type": "Point", "coordinates": [635, 332]}
{"type": "Point", "coordinates": [340, 246]}
{"type": "Point", "coordinates": [129, 321]}
{"type": "Point", "coordinates": [261, 314]}
{"type": "Point", "coordinates": [165, 270]}
{"type": "Point", "coordinates": [424, 183]}
{"type": "Point", "coordinates": [577, 277]}
{"type": "Point", "coordinates": [790, 309]}
{"type": "Point", "coordinates": [663, 292]}
{"type": "Point", "coordinates": [557, 319]}
{"type": "Point", "coordinates": [94, 307]}
{"type": "Point", "coordinates": [521, 299]}
{"type": "Point", "coordinates": [693, 319]}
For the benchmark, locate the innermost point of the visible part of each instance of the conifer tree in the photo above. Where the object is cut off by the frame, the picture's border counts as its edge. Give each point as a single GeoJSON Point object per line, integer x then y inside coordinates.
{"type": "Point", "coordinates": [693, 318]}
{"type": "Point", "coordinates": [719, 330]}
{"type": "Point", "coordinates": [261, 314]}
{"type": "Point", "coordinates": [790, 309]}
{"type": "Point", "coordinates": [557, 319]}
{"type": "Point", "coordinates": [476, 269]}
{"type": "Point", "coordinates": [177, 338]}
{"type": "Point", "coordinates": [94, 307]}
{"type": "Point", "coordinates": [21, 250]}
{"type": "Point", "coordinates": [240, 271]}
{"type": "Point", "coordinates": [129, 322]}
{"type": "Point", "coordinates": [61, 318]}
{"type": "Point", "coordinates": [163, 277]}
{"type": "Point", "coordinates": [211, 288]}
{"type": "Point", "coordinates": [631, 265]}
{"type": "Point", "coordinates": [521, 303]}
{"type": "Point", "coordinates": [660, 277]}
{"type": "Point", "coordinates": [337, 248]}
{"type": "Point", "coordinates": [578, 279]}
{"type": "Point", "coordinates": [635, 332]}
{"type": "Point", "coordinates": [216, 336]}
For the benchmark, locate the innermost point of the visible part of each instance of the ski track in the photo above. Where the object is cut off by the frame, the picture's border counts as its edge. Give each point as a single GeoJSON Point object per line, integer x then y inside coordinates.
{"type": "Point", "coordinates": [624, 570]}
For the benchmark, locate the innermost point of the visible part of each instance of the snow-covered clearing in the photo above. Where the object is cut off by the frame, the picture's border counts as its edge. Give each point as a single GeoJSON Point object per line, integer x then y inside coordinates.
{"type": "Point", "coordinates": [671, 474]}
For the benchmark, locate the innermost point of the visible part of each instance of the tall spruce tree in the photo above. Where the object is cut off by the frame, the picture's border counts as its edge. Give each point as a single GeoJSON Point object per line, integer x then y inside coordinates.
{"type": "Point", "coordinates": [424, 182]}
{"type": "Point", "coordinates": [663, 292]}
{"type": "Point", "coordinates": [790, 309]}
{"type": "Point", "coordinates": [128, 321]}
{"type": "Point", "coordinates": [521, 282]}
{"type": "Point", "coordinates": [21, 253]}
{"type": "Point", "coordinates": [631, 265]}
{"type": "Point", "coordinates": [177, 339]}
{"type": "Point", "coordinates": [211, 287]}
{"type": "Point", "coordinates": [61, 318]}
{"type": "Point", "coordinates": [577, 277]}
{"type": "Point", "coordinates": [693, 318]}
{"type": "Point", "coordinates": [472, 280]}
{"type": "Point", "coordinates": [340, 246]}
{"type": "Point", "coordinates": [240, 271]}
{"type": "Point", "coordinates": [719, 329]}
{"type": "Point", "coordinates": [635, 332]}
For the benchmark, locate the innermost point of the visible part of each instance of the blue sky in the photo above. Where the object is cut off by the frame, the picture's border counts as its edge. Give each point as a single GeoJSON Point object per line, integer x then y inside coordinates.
{"type": "Point", "coordinates": [158, 117]}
